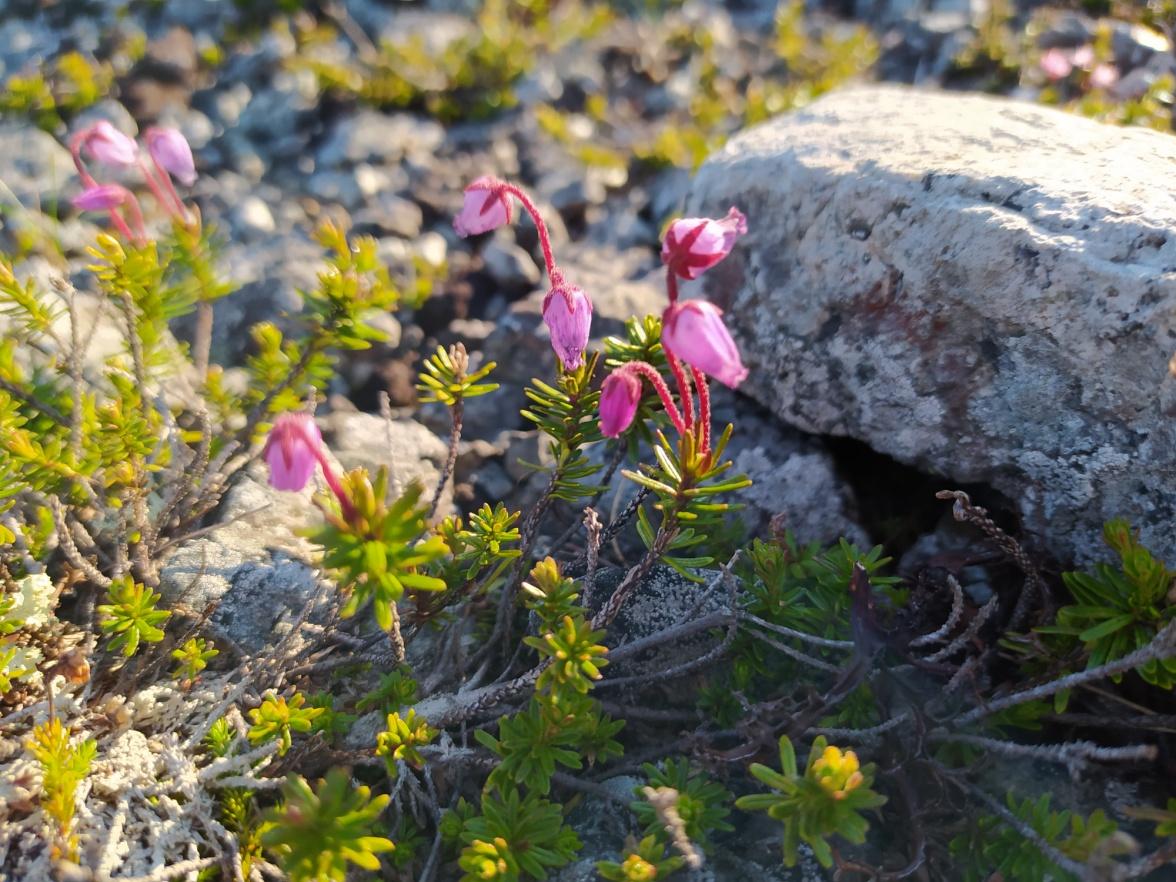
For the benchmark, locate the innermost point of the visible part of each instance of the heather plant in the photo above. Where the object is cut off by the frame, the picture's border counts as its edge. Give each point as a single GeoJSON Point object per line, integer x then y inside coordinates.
{"type": "Point", "coordinates": [456, 679]}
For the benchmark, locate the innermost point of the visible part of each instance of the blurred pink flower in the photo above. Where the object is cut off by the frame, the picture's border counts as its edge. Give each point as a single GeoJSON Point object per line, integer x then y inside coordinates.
{"type": "Point", "coordinates": [694, 244]}
{"type": "Point", "coordinates": [292, 449]}
{"type": "Point", "coordinates": [171, 152]}
{"type": "Point", "coordinates": [486, 207]}
{"type": "Point", "coordinates": [102, 197]}
{"type": "Point", "coordinates": [620, 393]}
{"type": "Point", "coordinates": [693, 330]}
{"type": "Point", "coordinates": [1056, 64]}
{"type": "Point", "coordinates": [568, 314]}
{"type": "Point", "coordinates": [1083, 57]}
{"type": "Point", "coordinates": [1104, 76]}
{"type": "Point", "coordinates": [107, 144]}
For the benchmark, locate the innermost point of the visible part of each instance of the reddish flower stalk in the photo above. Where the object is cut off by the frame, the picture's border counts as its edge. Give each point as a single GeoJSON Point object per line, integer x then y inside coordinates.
{"type": "Point", "coordinates": [165, 195]}
{"type": "Point", "coordinates": [540, 225]}
{"type": "Point", "coordinates": [650, 373]}
{"type": "Point", "coordinates": [336, 486]}
{"type": "Point", "coordinates": [671, 286]}
{"type": "Point", "coordinates": [704, 409]}
{"type": "Point", "coordinates": [684, 394]}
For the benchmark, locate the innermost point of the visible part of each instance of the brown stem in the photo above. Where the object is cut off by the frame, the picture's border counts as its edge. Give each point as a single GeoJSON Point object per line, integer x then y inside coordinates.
{"type": "Point", "coordinates": [456, 414]}
{"type": "Point", "coordinates": [202, 339]}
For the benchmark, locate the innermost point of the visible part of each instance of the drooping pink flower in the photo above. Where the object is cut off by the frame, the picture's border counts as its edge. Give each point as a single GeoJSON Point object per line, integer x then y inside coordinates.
{"type": "Point", "coordinates": [620, 393]}
{"type": "Point", "coordinates": [568, 314]}
{"type": "Point", "coordinates": [102, 197]}
{"type": "Point", "coordinates": [294, 445]}
{"type": "Point", "coordinates": [171, 151]}
{"type": "Point", "coordinates": [107, 144]}
{"type": "Point", "coordinates": [1083, 57]}
{"type": "Point", "coordinates": [695, 244]}
{"type": "Point", "coordinates": [693, 330]}
{"type": "Point", "coordinates": [1104, 76]}
{"type": "Point", "coordinates": [1056, 64]}
{"type": "Point", "coordinates": [486, 207]}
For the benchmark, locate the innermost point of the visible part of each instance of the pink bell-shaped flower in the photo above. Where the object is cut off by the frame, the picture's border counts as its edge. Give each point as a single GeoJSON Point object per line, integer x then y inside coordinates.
{"type": "Point", "coordinates": [694, 244]}
{"type": "Point", "coordinates": [102, 197]}
{"type": "Point", "coordinates": [486, 207]}
{"type": "Point", "coordinates": [108, 145]}
{"type": "Point", "coordinates": [292, 449]}
{"type": "Point", "coordinates": [693, 330]}
{"type": "Point", "coordinates": [1056, 64]}
{"type": "Point", "coordinates": [568, 314]}
{"type": "Point", "coordinates": [620, 393]}
{"type": "Point", "coordinates": [171, 151]}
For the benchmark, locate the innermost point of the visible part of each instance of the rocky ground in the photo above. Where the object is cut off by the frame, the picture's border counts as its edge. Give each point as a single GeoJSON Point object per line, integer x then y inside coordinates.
{"type": "Point", "coordinates": [1020, 257]}
{"type": "Point", "coordinates": [277, 151]}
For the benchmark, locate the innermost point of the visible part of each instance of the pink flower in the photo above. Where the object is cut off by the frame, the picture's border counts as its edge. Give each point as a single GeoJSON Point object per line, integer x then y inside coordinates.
{"type": "Point", "coordinates": [620, 393]}
{"type": "Point", "coordinates": [1056, 64]}
{"type": "Point", "coordinates": [1083, 56]}
{"type": "Point", "coordinates": [486, 207]}
{"type": "Point", "coordinates": [1104, 76]}
{"type": "Point", "coordinates": [694, 244]}
{"type": "Point", "coordinates": [107, 144]}
{"type": "Point", "coordinates": [102, 197]}
{"type": "Point", "coordinates": [568, 314]}
{"type": "Point", "coordinates": [292, 449]}
{"type": "Point", "coordinates": [693, 330]}
{"type": "Point", "coordinates": [171, 152]}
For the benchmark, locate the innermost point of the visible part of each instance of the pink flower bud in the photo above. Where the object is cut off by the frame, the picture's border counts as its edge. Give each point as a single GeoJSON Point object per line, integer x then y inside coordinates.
{"type": "Point", "coordinates": [693, 330]}
{"type": "Point", "coordinates": [1104, 76]}
{"type": "Point", "coordinates": [108, 145]}
{"type": "Point", "coordinates": [292, 449]}
{"type": "Point", "coordinates": [101, 198]}
{"type": "Point", "coordinates": [1056, 64]}
{"type": "Point", "coordinates": [171, 152]}
{"type": "Point", "coordinates": [1083, 57]}
{"type": "Point", "coordinates": [694, 244]}
{"type": "Point", "coordinates": [486, 207]}
{"type": "Point", "coordinates": [568, 314]}
{"type": "Point", "coordinates": [620, 393]}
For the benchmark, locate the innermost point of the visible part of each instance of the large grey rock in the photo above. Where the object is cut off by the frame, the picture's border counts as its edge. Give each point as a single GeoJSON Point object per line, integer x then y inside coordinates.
{"type": "Point", "coordinates": [252, 569]}
{"type": "Point", "coordinates": [979, 287]}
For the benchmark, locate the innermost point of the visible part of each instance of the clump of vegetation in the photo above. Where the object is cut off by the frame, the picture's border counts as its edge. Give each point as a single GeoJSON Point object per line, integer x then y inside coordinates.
{"type": "Point", "coordinates": [70, 85]}
{"type": "Point", "coordinates": [454, 689]}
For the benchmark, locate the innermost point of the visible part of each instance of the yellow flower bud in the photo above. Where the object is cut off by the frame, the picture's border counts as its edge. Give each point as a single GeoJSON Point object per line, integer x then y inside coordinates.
{"type": "Point", "coordinates": [637, 869]}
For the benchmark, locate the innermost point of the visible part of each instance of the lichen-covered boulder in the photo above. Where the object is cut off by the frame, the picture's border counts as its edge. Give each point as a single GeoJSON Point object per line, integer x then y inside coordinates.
{"type": "Point", "coordinates": [981, 288]}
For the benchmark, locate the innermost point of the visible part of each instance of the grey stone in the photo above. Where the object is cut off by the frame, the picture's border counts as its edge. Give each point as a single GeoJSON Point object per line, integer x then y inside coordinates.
{"type": "Point", "coordinates": [981, 288]}
{"type": "Point", "coordinates": [379, 138]}
{"type": "Point", "coordinates": [391, 214]}
{"type": "Point", "coordinates": [339, 187]}
{"type": "Point", "coordinates": [410, 450]}
{"type": "Point", "coordinates": [510, 267]}
{"type": "Point", "coordinates": [663, 600]}
{"type": "Point", "coordinates": [35, 167]}
{"type": "Point", "coordinates": [250, 568]}
{"type": "Point", "coordinates": [252, 216]}
{"type": "Point", "coordinates": [269, 273]}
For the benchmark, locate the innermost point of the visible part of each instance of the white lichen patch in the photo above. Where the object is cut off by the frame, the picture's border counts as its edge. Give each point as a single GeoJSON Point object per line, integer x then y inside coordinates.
{"type": "Point", "coordinates": [149, 798]}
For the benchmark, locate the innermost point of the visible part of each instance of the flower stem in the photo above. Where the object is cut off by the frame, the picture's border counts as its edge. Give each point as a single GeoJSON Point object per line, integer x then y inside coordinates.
{"type": "Point", "coordinates": [650, 373]}
{"type": "Point", "coordinates": [336, 486]}
{"type": "Point", "coordinates": [683, 389]}
{"type": "Point", "coordinates": [137, 219]}
{"type": "Point", "coordinates": [540, 225]}
{"type": "Point", "coordinates": [704, 408]}
{"type": "Point", "coordinates": [166, 195]}
{"type": "Point", "coordinates": [671, 286]}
